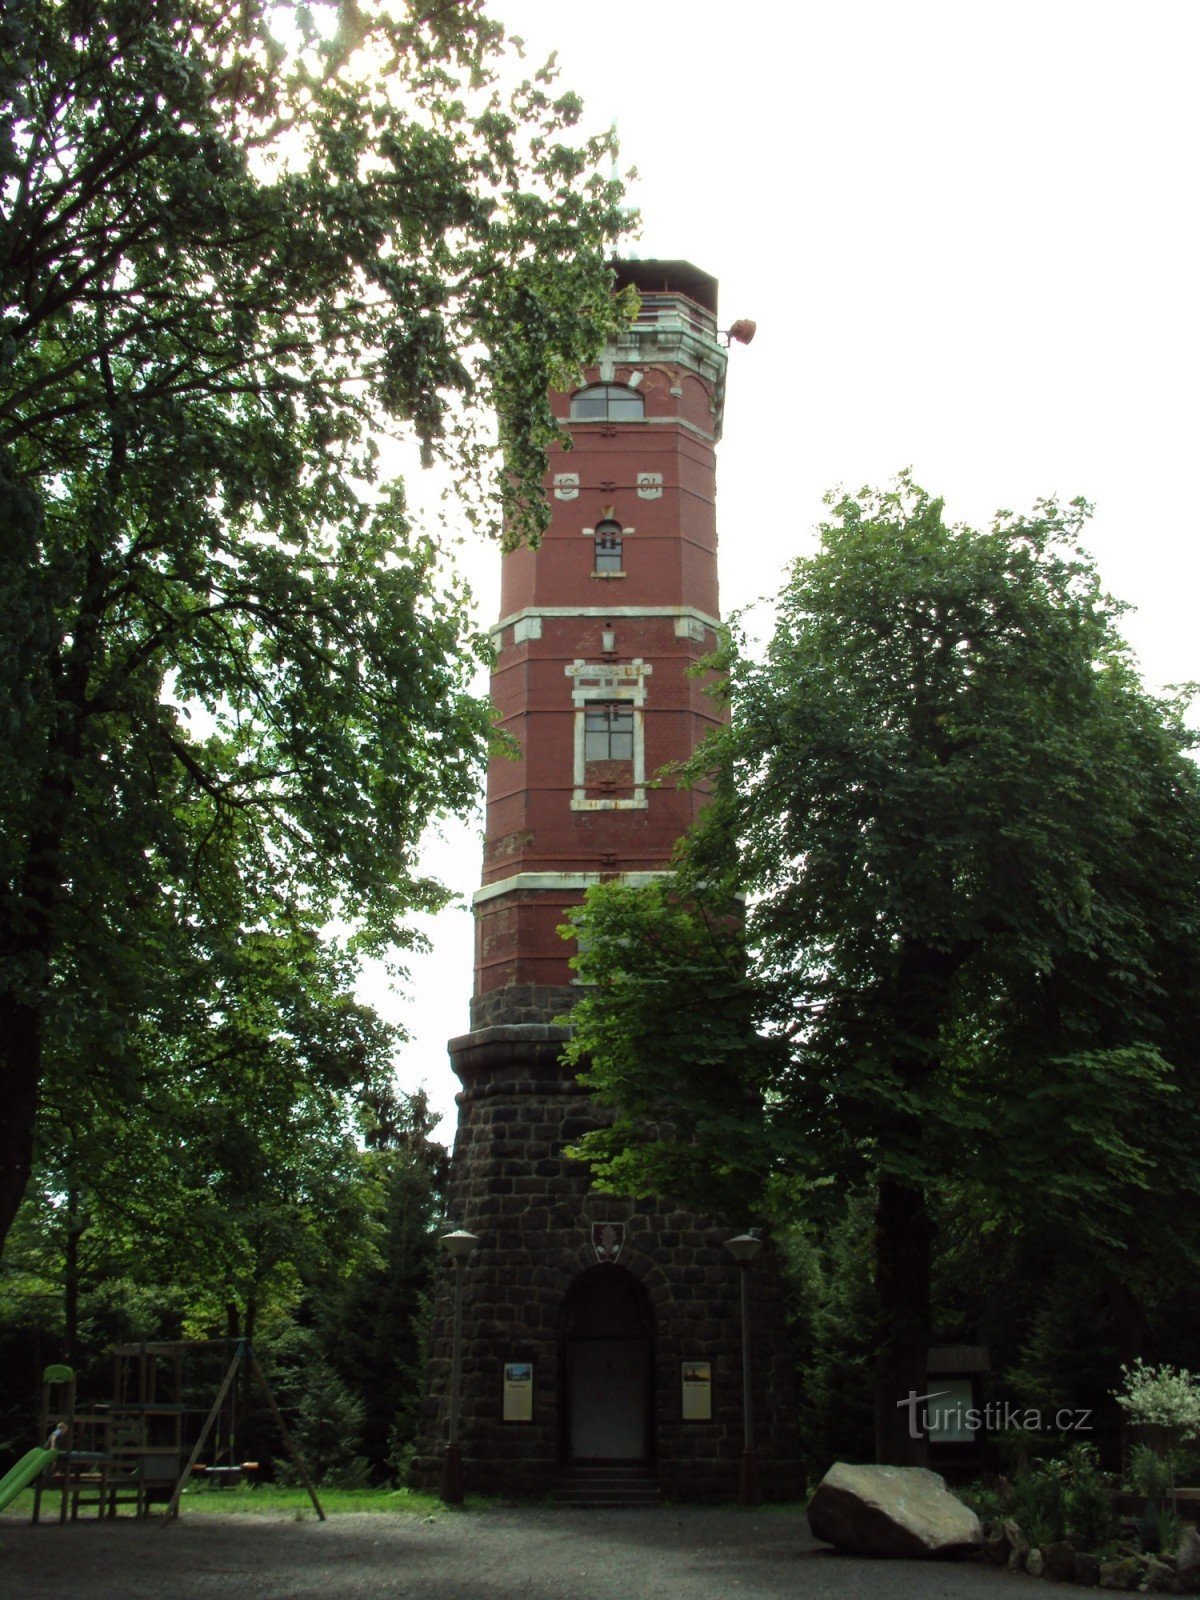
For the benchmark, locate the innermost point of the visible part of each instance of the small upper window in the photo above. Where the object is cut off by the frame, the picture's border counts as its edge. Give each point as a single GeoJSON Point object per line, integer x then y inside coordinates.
{"type": "Point", "coordinates": [607, 402]}
{"type": "Point", "coordinates": [608, 546]}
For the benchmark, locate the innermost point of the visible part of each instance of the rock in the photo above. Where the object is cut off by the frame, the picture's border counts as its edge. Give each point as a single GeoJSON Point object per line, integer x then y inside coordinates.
{"type": "Point", "coordinates": [891, 1511]}
{"type": "Point", "coordinates": [996, 1548]}
{"type": "Point", "coordinates": [1011, 1529]}
{"type": "Point", "coordinates": [1059, 1557]}
{"type": "Point", "coordinates": [1035, 1563]}
{"type": "Point", "coordinates": [1160, 1576]}
{"type": "Point", "coordinates": [1018, 1544]}
{"type": "Point", "coordinates": [1187, 1559]}
{"type": "Point", "coordinates": [1122, 1573]}
{"type": "Point", "coordinates": [1087, 1569]}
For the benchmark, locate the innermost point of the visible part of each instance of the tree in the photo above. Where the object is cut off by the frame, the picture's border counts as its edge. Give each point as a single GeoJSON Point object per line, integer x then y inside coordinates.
{"type": "Point", "coordinates": [971, 843]}
{"type": "Point", "coordinates": [216, 1155]}
{"type": "Point", "coordinates": [373, 1323]}
{"type": "Point", "coordinates": [234, 684]}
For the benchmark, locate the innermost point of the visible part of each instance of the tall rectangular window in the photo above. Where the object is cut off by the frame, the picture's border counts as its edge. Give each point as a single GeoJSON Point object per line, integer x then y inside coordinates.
{"type": "Point", "coordinates": [608, 732]}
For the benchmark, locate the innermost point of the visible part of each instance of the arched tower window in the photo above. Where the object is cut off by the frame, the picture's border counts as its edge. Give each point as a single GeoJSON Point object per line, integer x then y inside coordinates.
{"type": "Point", "coordinates": [609, 554]}
{"type": "Point", "coordinates": [607, 402]}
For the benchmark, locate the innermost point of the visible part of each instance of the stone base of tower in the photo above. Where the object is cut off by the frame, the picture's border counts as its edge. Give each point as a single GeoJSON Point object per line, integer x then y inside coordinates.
{"type": "Point", "coordinates": [595, 1329]}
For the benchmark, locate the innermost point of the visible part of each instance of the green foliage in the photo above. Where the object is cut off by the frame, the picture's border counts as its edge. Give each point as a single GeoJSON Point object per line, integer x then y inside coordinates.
{"type": "Point", "coordinates": [218, 1154]}
{"type": "Point", "coordinates": [689, 1114]}
{"type": "Point", "coordinates": [1039, 1505]}
{"type": "Point", "coordinates": [328, 1431]}
{"type": "Point", "coordinates": [970, 846]}
{"type": "Point", "coordinates": [1151, 1472]}
{"type": "Point", "coordinates": [834, 1375]}
{"type": "Point", "coordinates": [373, 1323]}
{"type": "Point", "coordinates": [1158, 1528]}
{"type": "Point", "coordinates": [1068, 1498]}
{"type": "Point", "coordinates": [1162, 1398]}
{"type": "Point", "coordinates": [234, 678]}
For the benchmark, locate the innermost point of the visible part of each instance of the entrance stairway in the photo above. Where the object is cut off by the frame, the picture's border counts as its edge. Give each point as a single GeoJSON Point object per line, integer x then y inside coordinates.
{"type": "Point", "coordinates": [622, 1483]}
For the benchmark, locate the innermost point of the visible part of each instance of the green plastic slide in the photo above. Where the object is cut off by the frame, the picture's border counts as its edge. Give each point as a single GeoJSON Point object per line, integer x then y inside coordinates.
{"type": "Point", "coordinates": [23, 1474]}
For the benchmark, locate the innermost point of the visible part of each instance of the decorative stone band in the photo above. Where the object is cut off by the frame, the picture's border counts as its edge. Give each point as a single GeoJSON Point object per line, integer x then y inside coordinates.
{"type": "Point", "coordinates": [529, 620]}
{"type": "Point", "coordinates": [574, 882]}
{"type": "Point", "coordinates": [641, 422]}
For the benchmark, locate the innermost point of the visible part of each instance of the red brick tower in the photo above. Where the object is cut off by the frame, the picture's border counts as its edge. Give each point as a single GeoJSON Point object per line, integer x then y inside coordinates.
{"type": "Point", "coordinates": [598, 630]}
{"type": "Point", "coordinates": [600, 1336]}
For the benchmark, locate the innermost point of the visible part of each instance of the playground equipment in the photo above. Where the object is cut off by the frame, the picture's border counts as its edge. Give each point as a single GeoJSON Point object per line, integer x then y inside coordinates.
{"type": "Point", "coordinates": [130, 1451]}
{"type": "Point", "coordinates": [30, 1466]}
{"type": "Point", "coordinates": [76, 1444]}
{"type": "Point", "coordinates": [244, 1352]}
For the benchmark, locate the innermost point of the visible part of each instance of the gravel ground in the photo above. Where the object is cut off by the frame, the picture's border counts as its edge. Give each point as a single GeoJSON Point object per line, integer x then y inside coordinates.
{"type": "Point", "coordinates": [534, 1554]}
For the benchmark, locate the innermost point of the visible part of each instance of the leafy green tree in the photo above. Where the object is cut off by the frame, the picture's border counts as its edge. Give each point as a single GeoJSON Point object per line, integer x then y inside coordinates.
{"type": "Point", "coordinates": [234, 685]}
{"type": "Point", "coordinates": [372, 1323]}
{"type": "Point", "coordinates": [971, 843]}
{"type": "Point", "coordinates": [231, 1168]}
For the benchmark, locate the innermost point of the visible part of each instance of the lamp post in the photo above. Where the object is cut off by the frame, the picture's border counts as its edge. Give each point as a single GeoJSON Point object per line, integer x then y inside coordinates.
{"type": "Point", "coordinates": [743, 1249]}
{"type": "Point", "coordinates": [458, 1246]}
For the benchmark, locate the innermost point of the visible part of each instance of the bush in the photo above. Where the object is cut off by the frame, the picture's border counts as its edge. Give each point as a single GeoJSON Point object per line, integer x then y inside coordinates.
{"type": "Point", "coordinates": [328, 1430]}
{"type": "Point", "coordinates": [1151, 1472]}
{"type": "Point", "coordinates": [1165, 1399]}
{"type": "Point", "coordinates": [1065, 1499]}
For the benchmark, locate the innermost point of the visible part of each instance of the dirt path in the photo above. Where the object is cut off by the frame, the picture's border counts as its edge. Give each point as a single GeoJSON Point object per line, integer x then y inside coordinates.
{"type": "Point", "coordinates": [534, 1554]}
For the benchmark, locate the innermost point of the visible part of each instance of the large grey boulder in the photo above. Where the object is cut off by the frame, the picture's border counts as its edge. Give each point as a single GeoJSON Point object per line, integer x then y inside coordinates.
{"type": "Point", "coordinates": [1187, 1559]}
{"type": "Point", "coordinates": [891, 1511]}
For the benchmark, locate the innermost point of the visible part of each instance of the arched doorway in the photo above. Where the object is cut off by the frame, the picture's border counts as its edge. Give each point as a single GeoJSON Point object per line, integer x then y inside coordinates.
{"type": "Point", "coordinates": [607, 1367]}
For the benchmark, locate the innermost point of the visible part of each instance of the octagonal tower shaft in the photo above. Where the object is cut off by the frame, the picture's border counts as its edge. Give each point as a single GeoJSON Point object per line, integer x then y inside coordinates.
{"type": "Point", "coordinates": [599, 631]}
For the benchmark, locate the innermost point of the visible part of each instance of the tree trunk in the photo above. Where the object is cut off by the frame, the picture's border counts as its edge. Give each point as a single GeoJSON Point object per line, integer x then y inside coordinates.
{"type": "Point", "coordinates": [20, 1072]}
{"type": "Point", "coordinates": [71, 1281]}
{"type": "Point", "coordinates": [903, 1249]}
{"type": "Point", "coordinates": [903, 1227]}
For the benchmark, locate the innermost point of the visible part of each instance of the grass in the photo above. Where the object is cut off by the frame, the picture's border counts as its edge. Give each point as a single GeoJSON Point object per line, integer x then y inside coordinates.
{"type": "Point", "coordinates": [269, 1500]}
{"type": "Point", "coordinates": [272, 1500]}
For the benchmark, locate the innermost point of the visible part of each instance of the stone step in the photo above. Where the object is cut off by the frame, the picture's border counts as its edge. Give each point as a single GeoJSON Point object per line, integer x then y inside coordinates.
{"type": "Point", "coordinates": [607, 1486]}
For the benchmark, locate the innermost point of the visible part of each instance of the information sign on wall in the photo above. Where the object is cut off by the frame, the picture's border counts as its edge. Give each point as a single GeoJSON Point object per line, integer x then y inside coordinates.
{"type": "Point", "coordinates": [518, 1391]}
{"type": "Point", "coordinates": [696, 1379]}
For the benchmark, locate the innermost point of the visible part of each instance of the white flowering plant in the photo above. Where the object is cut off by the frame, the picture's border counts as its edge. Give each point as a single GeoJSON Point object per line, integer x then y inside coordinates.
{"type": "Point", "coordinates": [1165, 1397]}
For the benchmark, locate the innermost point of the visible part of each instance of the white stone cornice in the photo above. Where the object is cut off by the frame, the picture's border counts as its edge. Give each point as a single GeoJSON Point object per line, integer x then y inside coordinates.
{"type": "Point", "coordinates": [689, 612]}
{"type": "Point", "coordinates": [572, 882]}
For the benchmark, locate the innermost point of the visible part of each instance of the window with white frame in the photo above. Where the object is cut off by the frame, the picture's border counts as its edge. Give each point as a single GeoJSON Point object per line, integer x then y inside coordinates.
{"type": "Point", "coordinates": [610, 755]}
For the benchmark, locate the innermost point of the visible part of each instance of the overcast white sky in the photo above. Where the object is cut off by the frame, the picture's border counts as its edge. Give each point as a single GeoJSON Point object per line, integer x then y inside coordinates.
{"type": "Point", "coordinates": [968, 235]}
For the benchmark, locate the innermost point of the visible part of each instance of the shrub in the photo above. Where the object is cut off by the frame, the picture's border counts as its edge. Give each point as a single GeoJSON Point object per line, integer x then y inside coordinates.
{"type": "Point", "coordinates": [1069, 1498]}
{"type": "Point", "coordinates": [1163, 1398]}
